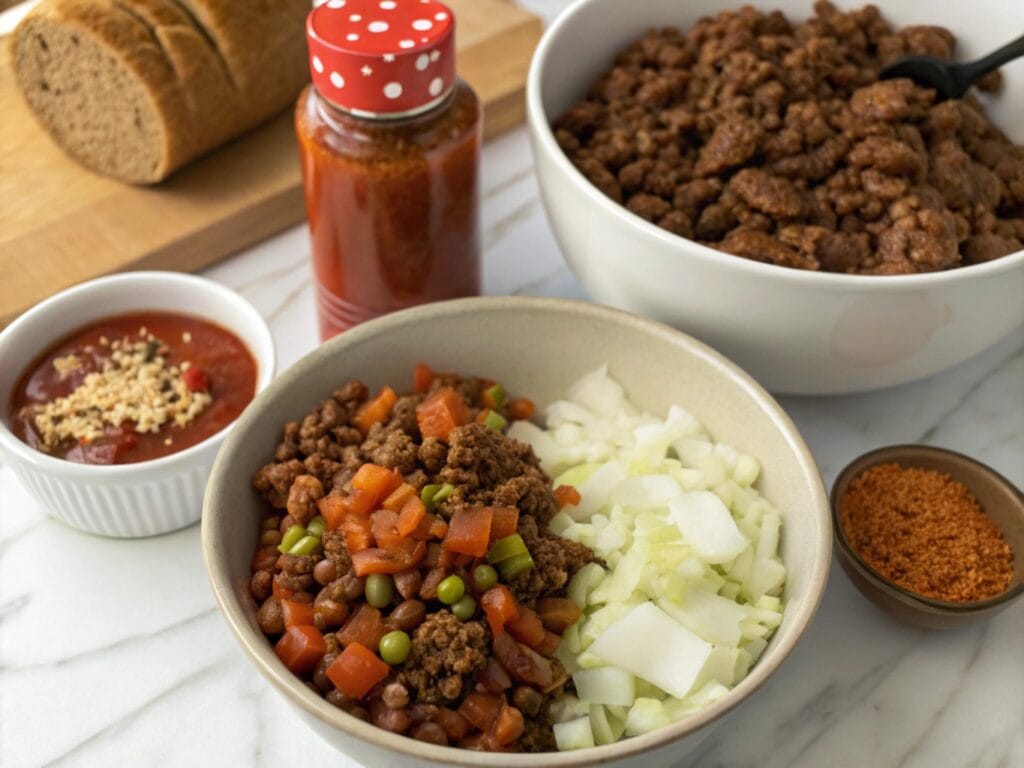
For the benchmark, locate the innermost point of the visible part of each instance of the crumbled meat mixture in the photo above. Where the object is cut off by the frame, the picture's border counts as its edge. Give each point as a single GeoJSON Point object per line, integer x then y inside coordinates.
{"type": "Point", "coordinates": [313, 469]}
{"type": "Point", "coordinates": [445, 652]}
{"type": "Point", "coordinates": [777, 142]}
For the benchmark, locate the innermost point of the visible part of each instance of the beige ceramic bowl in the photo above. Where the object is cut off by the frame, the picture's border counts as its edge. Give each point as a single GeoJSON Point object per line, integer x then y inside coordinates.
{"type": "Point", "coordinates": [1000, 499]}
{"type": "Point", "coordinates": [798, 332]}
{"type": "Point", "coordinates": [536, 347]}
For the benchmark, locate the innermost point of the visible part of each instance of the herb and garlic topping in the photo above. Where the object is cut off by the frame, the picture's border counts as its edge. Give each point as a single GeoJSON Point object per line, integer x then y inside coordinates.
{"type": "Point", "coordinates": [136, 384]}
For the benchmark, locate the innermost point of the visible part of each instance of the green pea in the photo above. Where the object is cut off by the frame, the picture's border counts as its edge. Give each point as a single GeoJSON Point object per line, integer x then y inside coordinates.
{"type": "Point", "coordinates": [316, 526]}
{"type": "Point", "coordinates": [379, 589]}
{"type": "Point", "coordinates": [451, 590]}
{"type": "Point", "coordinates": [515, 565]}
{"type": "Point", "coordinates": [307, 545]}
{"type": "Point", "coordinates": [464, 608]}
{"type": "Point", "coordinates": [484, 577]}
{"type": "Point", "coordinates": [291, 538]}
{"type": "Point", "coordinates": [444, 492]}
{"type": "Point", "coordinates": [427, 494]}
{"type": "Point", "coordinates": [395, 646]}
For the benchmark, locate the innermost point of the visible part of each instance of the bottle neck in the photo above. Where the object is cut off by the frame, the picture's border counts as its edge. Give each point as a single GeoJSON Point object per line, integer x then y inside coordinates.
{"type": "Point", "coordinates": [331, 112]}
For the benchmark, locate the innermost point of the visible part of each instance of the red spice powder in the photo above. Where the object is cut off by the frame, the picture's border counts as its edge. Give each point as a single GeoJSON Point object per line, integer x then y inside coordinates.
{"type": "Point", "coordinates": [925, 532]}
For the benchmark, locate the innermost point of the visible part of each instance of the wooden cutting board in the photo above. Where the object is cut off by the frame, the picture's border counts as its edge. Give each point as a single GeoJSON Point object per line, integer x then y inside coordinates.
{"type": "Point", "coordinates": [61, 224]}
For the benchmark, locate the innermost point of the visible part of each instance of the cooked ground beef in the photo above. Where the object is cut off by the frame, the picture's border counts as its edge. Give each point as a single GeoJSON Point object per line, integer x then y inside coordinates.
{"type": "Point", "coordinates": [776, 142]}
{"type": "Point", "coordinates": [315, 463]}
{"type": "Point", "coordinates": [445, 654]}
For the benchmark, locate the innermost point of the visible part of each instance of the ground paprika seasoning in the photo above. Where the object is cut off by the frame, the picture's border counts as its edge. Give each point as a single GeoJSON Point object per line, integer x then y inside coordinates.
{"type": "Point", "coordinates": [924, 531]}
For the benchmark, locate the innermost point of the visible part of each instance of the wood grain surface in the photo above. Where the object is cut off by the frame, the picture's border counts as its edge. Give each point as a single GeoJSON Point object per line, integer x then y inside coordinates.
{"type": "Point", "coordinates": [61, 224]}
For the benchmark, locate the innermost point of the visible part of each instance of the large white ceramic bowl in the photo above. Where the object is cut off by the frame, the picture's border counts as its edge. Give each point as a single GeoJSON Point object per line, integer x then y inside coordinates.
{"type": "Point", "coordinates": [536, 348]}
{"type": "Point", "coordinates": [126, 500]}
{"type": "Point", "coordinates": [797, 332]}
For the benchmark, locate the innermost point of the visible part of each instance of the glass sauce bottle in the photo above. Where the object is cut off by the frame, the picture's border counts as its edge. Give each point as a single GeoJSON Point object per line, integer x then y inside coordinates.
{"type": "Point", "coordinates": [389, 139]}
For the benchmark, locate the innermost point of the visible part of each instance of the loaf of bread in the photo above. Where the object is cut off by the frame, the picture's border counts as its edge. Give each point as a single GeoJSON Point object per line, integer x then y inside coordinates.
{"type": "Point", "coordinates": [135, 89]}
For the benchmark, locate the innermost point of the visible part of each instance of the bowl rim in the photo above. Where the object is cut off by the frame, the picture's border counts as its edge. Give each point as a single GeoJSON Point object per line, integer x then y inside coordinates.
{"type": "Point", "coordinates": [265, 356]}
{"type": "Point", "coordinates": [890, 454]}
{"type": "Point", "coordinates": [260, 652]}
{"type": "Point", "coordinates": [540, 129]}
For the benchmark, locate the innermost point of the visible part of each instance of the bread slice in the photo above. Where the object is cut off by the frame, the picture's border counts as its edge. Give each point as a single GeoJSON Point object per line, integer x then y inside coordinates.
{"type": "Point", "coordinates": [135, 89]}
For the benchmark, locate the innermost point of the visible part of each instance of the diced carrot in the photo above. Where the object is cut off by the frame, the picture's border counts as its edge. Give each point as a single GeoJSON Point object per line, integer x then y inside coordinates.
{"type": "Point", "coordinates": [549, 644]}
{"type": "Point", "coordinates": [365, 626]}
{"type": "Point", "coordinates": [333, 510]}
{"type": "Point", "coordinates": [469, 531]}
{"type": "Point", "coordinates": [440, 413]}
{"type": "Point", "coordinates": [413, 512]}
{"type": "Point", "coordinates": [377, 483]}
{"type": "Point", "coordinates": [301, 648]}
{"type": "Point", "coordinates": [356, 670]}
{"type": "Point", "coordinates": [376, 410]}
{"type": "Point", "coordinates": [296, 614]}
{"type": "Point", "coordinates": [525, 627]}
{"type": "Point", "coordinates": [281, 593]}
{"type": "Point", "coordinates": [566, 496]}
{"type": "Point", "coordinates": [434, 577]}
{"type": "Point", "coordinates": [430, 527]}
{"type": "Point", "coordinates": [520, 408]}
{"type": "Point", "coordinates": [508, 725]}
{"type": "Point", "coordinates": [384, 523]}
{"type": "Point", "coordinates": [403, 555]}
{"type": "Point", "coordinates": [358, 533]}
{"type": "Point", "coordinates": [557, 614]}
{"type": "Point", "coordinates": [499, 606]}
{"type": "Point", "coordinates": [422, 378]}
{"type": "Point", "coordinates": [480, 709]}
{"type": "Point", "coordinates": [398, 497]}
{"type": "Point", "coordinates": [359, 503]}
{"type": "Point", "coordinates": [504, 521]}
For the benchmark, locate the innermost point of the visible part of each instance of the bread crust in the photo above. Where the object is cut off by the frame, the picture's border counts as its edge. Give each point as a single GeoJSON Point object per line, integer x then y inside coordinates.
{"type": "Point", "coordinates": [208, 72]}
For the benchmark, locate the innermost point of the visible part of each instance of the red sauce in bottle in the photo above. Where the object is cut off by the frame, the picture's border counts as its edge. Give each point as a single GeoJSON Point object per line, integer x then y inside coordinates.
{"type": "Point", "coordinates": [390, 161]}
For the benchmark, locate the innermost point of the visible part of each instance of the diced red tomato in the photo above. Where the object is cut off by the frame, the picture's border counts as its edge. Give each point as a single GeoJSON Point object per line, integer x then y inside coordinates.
{"type": "Point", "coordinates": [296, 614]}
{"type": "Point", "coordinates": [404, 555]}
{"type": "Point", "coordinates": [525, 626]}
{"type": "Point", "coordinates": [567, 496]}
{"type": "Point", "coordinates": [499, 606]}
{"type": "Point", "coordinates": [469, 531]}
{"type": "Point", "coordinates": [422, 378]}
{"type": "Point", "coordinates": [301, 648]}
{"type": "Point", "coordinates": [375, 411]}
{"type": "Point", "coordinates": [357, 532]}
{"type": "Point", "coordinates": [365, 627]}
{"type": "Point", "coordinates": [480, 709]}
{"type": "Point", "coordinates": [440, 413]}
{"type": "Point", "coordinates": [504, 521]}
{"type": "Point", "coordinates": [384, 526]}
{"type": "Point", "coordinates": [195, 380]}
{"type": "Point", "coordinates": [356, 670]}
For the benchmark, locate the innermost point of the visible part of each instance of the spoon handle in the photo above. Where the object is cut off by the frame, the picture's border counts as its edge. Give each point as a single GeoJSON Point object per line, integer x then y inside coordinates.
{"type": "Point", "coordinates": [971, 72]}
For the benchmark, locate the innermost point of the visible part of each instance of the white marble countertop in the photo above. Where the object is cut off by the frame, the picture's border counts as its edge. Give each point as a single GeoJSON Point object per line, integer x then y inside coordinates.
{"type": "Point", "coordinates": [112, 653]}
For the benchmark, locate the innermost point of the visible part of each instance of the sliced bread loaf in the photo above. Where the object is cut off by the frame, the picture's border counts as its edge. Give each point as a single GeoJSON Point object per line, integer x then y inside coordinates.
{"type": "Point", "coordinates": [135, 89]}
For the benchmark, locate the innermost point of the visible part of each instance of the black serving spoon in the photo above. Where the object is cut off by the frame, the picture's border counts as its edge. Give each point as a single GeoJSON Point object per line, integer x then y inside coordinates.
{"type": "Point", "coordinates": [951, 80]}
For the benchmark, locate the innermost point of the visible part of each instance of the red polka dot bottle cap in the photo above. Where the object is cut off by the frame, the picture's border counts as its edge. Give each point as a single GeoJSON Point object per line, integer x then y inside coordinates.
{"type": "Point", "coordinates": [382, 57]}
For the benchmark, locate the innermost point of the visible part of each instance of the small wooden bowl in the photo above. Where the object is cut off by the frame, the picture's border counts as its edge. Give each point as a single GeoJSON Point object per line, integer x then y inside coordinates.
{"type": "Point", "coordinates": [1000, 500]}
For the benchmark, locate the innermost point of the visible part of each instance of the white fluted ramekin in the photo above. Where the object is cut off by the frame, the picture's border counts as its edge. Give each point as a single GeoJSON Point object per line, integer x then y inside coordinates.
{"type": "Point", "coordinates": [126, 500]}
